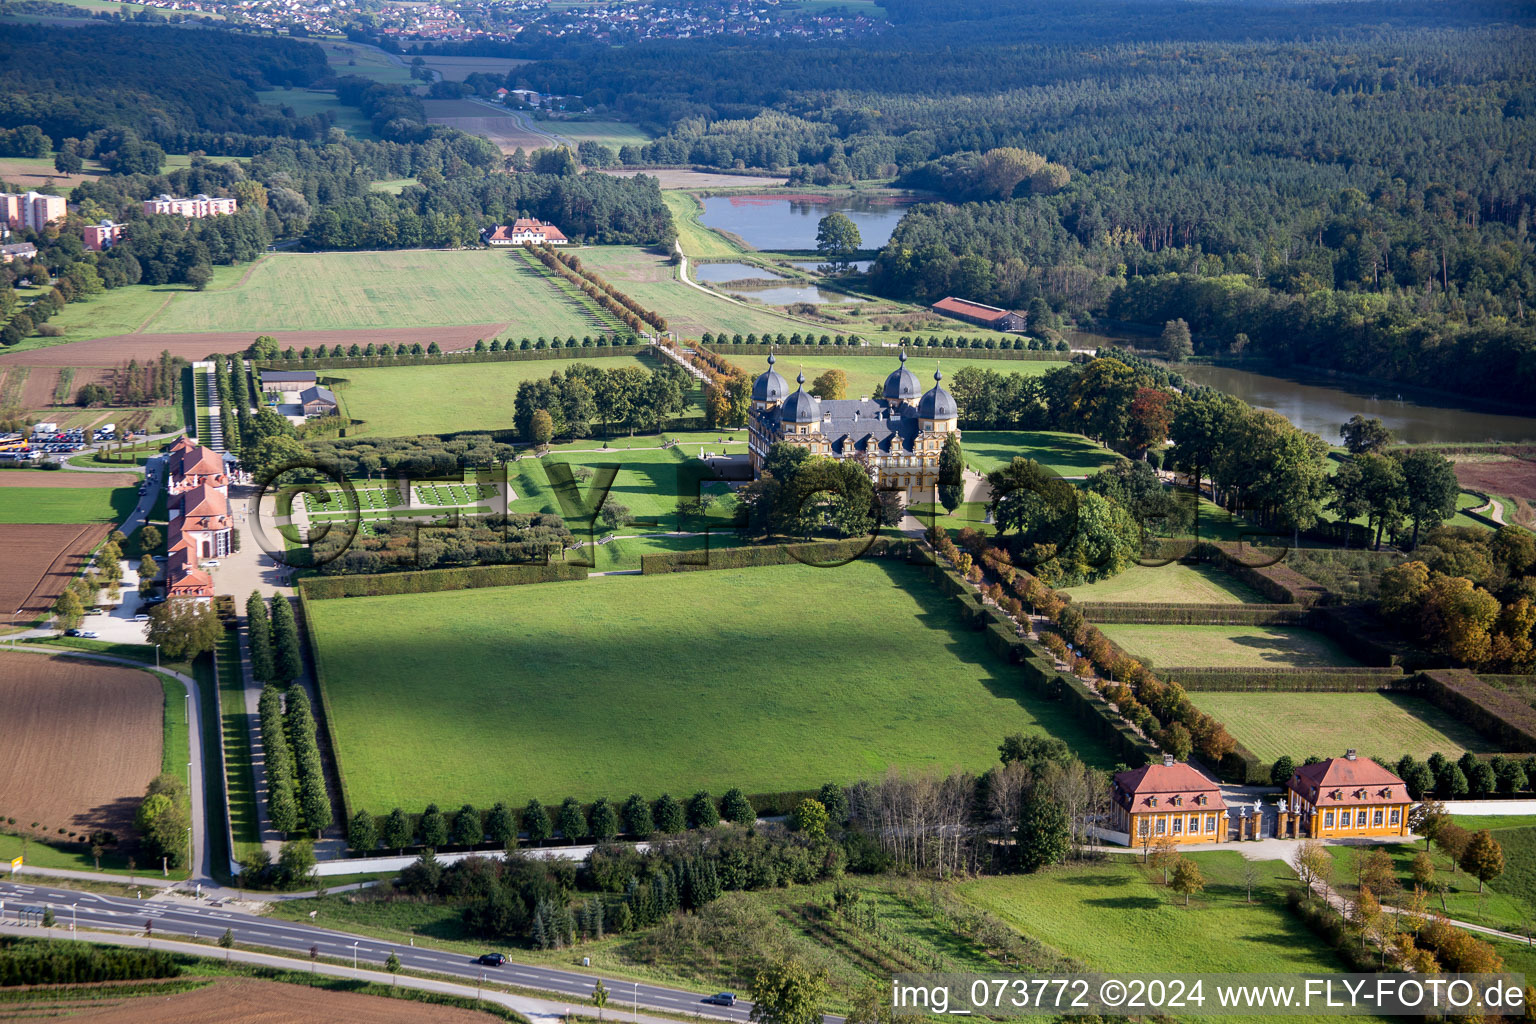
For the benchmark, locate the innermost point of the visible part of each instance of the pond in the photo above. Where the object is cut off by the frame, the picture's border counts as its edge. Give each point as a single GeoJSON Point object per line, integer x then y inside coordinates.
{"type": "Point", "coordinates": [713, 273]}
{"type": "Point", "coordinates": [785, 294]}
{"type": "Point", "coordinates": [789, 222]}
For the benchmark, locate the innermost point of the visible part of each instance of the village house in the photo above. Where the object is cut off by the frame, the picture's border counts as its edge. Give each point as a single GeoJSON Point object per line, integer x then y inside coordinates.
{"type": "Point", "coordinates": [18, 251]}
{"type": "Point", "coordinates": [526, 231]}
{"type": "Point", "coordinates": [197, 207]}
{"type": "Point", "coordinates": [288, 380]}
{"type": "Point", "coordinates": [1347, 797]}
{"type": "Point", "coordinates": [102, 236]}
{"type": "Point", "coordinates": [31, 210]}
{"type": "Point", "coordinates": [1170, 800]}
{"type": "Point", "coordinates": [318, 401]}
{"type": "Point", "coordinates": [981, 315]}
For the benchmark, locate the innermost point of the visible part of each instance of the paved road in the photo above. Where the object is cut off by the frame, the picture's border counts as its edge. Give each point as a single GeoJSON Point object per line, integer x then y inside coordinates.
{"type": "Point", "coordinates": [172, 916]}
{"type": "Point", "coordinates": [543, 1011]}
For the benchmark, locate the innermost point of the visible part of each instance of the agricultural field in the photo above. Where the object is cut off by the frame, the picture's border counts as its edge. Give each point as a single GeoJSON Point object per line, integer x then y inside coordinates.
{"type": "Point", "coordinates": [401, 288]}
{"type": "Point", "coordinates": [1228, 646]}
{"type": "Point", "coordinates": [506, 129]}
{"type": "Point", "coordinates": [395, 401]}
{"type": "Point", "coordinates": [27, 502]}
{"type": "Point", "coordinates": [1175, 583]}
{"type": "Point", "coordinates": [40, 561]}
{"type": "Point", "coordinates": [1385, 725]}
{"type": "Point", "coordinates": [768, 702]}
{"type": "Point", "coordinates": [83, 742]}
{"type": "Point", "coordinates": [252, 1001]}
{"type": "Point", "coordinates": [307, 102]}
{"type": "Point", "coordinates": [1115, 916]}
{"type": "Point", "coordinates": [1071, 455]}
{"type": "Point", "coordinates": [456, 69]}
{"type": "Point", "coordinates": [37, 172]}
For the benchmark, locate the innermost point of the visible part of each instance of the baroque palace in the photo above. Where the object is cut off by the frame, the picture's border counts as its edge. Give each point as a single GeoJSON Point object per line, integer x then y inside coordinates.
{"type": "Point", "coordinates": [897, 434]}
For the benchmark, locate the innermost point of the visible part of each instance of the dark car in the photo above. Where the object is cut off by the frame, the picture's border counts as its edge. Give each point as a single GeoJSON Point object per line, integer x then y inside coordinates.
{"type": "Point", "coordinates": [722, 999]}
{"type": "Point", "coordinates": [491, 959]}
{"type": "Point", "coordinates": [71, 632]}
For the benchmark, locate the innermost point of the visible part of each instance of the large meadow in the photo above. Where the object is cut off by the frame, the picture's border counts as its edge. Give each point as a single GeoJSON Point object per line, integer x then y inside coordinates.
{"type": "Point", "coordinates": [769, 679]}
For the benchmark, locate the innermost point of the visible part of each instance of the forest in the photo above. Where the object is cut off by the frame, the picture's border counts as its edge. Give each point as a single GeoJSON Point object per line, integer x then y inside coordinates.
{"type": "Point", "coordinates": [1357, 179]}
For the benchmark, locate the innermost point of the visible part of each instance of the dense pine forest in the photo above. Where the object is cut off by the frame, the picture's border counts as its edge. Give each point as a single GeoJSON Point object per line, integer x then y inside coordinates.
{"type": "Point", "coordinates": [1344, 185]}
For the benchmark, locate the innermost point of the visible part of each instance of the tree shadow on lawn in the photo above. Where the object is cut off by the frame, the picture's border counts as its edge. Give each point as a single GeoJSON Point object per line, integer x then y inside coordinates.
{"type": "Point", "coordinates": [1001, 680]}
{"type": "Point", "coordinates": [1288, 649]}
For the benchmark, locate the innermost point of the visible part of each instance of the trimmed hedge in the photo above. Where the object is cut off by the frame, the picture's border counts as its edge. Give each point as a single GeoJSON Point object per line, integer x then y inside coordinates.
{"type": "Point", "coordinates": [1492, 712]}
{"type": "Point", "coordinates": [1294, 680]}
{"type": "Point", "coordinates": [890, 352]}
{"type": "Point", "coordinates": [1192, 614]}
{"type": "Point", "coordinates": [811, 552]}
{"type": "Point", "coordinates": [1278, 583]}
{"type": "Point", "coordinates": [462, 356]}
{"type": "Point", "coordinates": [428, 581]}
{"type": "Point", "coordinates": [1362, 635]}
{"type": "Point", "coordinates": [1041, 674]}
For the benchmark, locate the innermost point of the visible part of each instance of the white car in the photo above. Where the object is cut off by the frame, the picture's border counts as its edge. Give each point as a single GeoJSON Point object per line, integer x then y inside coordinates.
{"type": "Point", "coordinates": [141, 617]}
{"type": "Point", "coordinates": [210, 563]}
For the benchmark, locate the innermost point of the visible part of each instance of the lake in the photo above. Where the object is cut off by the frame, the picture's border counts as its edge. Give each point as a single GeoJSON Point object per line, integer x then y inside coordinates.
{"type": "Point", "coordinates": [1322, 405]}
{"type": "Point", "coordinates": [789, 222]}
{"type": "Point", "coordinates": [785, 294]}
{"type": "Point", "coordinates": [814, 266]}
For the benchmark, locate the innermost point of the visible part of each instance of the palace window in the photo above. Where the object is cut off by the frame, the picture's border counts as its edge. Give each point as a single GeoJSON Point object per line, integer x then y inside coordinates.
{"type": "Point", "coordinates": [1194, 823]}
{"type": "Point", "coordinates": [1178, 825]}
{"type": "Point", "coordinates": [1328, 820]}
{"type": "Point", "coordinates": [1376, 818]}
{"type": "Point", "coordinates": [1360, 820]}
{"type": "Point", "coordinates": [1396, 816]}
{"type": "Point", "coordinates": [1162, 826]}
{"type": "Point", "coordinates": [1142, 827]}
{"type": "Point", "coordinates": [1210, 823]}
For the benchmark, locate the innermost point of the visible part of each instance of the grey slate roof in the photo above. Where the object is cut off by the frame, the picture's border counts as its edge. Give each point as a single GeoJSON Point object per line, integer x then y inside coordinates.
{"type": "Point", "coordinates": [902, 384]}
{"type": "Point", "coordinates": [289, 376]}
{"type": "Point", "coordinates": [854, 424]}
{"type": "Point", "coordinates": [316, 393]}
{"type": "Point", "coordinates": [769, 387]}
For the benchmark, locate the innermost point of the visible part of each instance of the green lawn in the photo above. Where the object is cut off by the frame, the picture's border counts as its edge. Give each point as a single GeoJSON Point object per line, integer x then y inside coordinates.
{"type": "Point", "coordinates": [1116, 917]}
{"type": "Point", "coordinates": [307, 102]}
{"type": "Point", "coordinates": [400, 288]}
{"type": "Point", "coordinates": [610, 133]}
{"type": "Point", "coordinates": [1175, 583]}
{"type": "Point", "coordinates": [743, 678]}
{"type": "Point", "coordinates": [66, 504]}
{"type": "Point", "coordinates": [395, 401]}
{"type": "Point", "coordinates": [1385, 725]}
{"type": "Point", "coordinates": [365, 61]}
{"type": "Point", "coordinates": [1507, 903]}
{"type": "Point", "coordinates": [698, 241]}
{"type": "Point", "coordinates": [125, 310]}
{"type": "Point", "coordinates": [1228, 646]}
{"type": "Point", "coordinates": [986, 450]}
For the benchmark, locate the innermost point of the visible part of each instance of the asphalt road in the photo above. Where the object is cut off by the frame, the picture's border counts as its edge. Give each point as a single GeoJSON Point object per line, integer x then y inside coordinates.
{"type": "Point", "coordinates": [177, 918]}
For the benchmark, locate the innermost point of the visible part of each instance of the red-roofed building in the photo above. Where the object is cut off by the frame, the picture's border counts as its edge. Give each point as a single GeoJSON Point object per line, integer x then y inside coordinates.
{"type": "Point", "coordinates": [981, 315]}
{"type": "Point", "coordinates": [1347, 797]}
{"type": "Point", "coordinates": [198, 503]}
{"type": "Point", "coordinates": [527, 231]}
{"type": "Point", "coordinates": [1169, 799]}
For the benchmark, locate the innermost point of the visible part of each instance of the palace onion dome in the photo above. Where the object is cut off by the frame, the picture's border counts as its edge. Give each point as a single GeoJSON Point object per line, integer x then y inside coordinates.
{"type": "Point", "coordinates": [937, 404]}
{"type": "Point", "coordinates": [802, 406]}
{"type": "Point", "coordinates": [902, 385]}
{"type": "Point", "coordinates": [770, 387]}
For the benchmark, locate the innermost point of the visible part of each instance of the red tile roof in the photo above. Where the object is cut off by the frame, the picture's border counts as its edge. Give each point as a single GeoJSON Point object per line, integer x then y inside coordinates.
{"type": "Point", "coordinates": [973, 310]}
{"type": "Point", "coordinates": [1347, 781]}
{"type": "Point", "coordinates": [1164, 786]}
{"type": "Point", "coordinates": [203, 500]}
